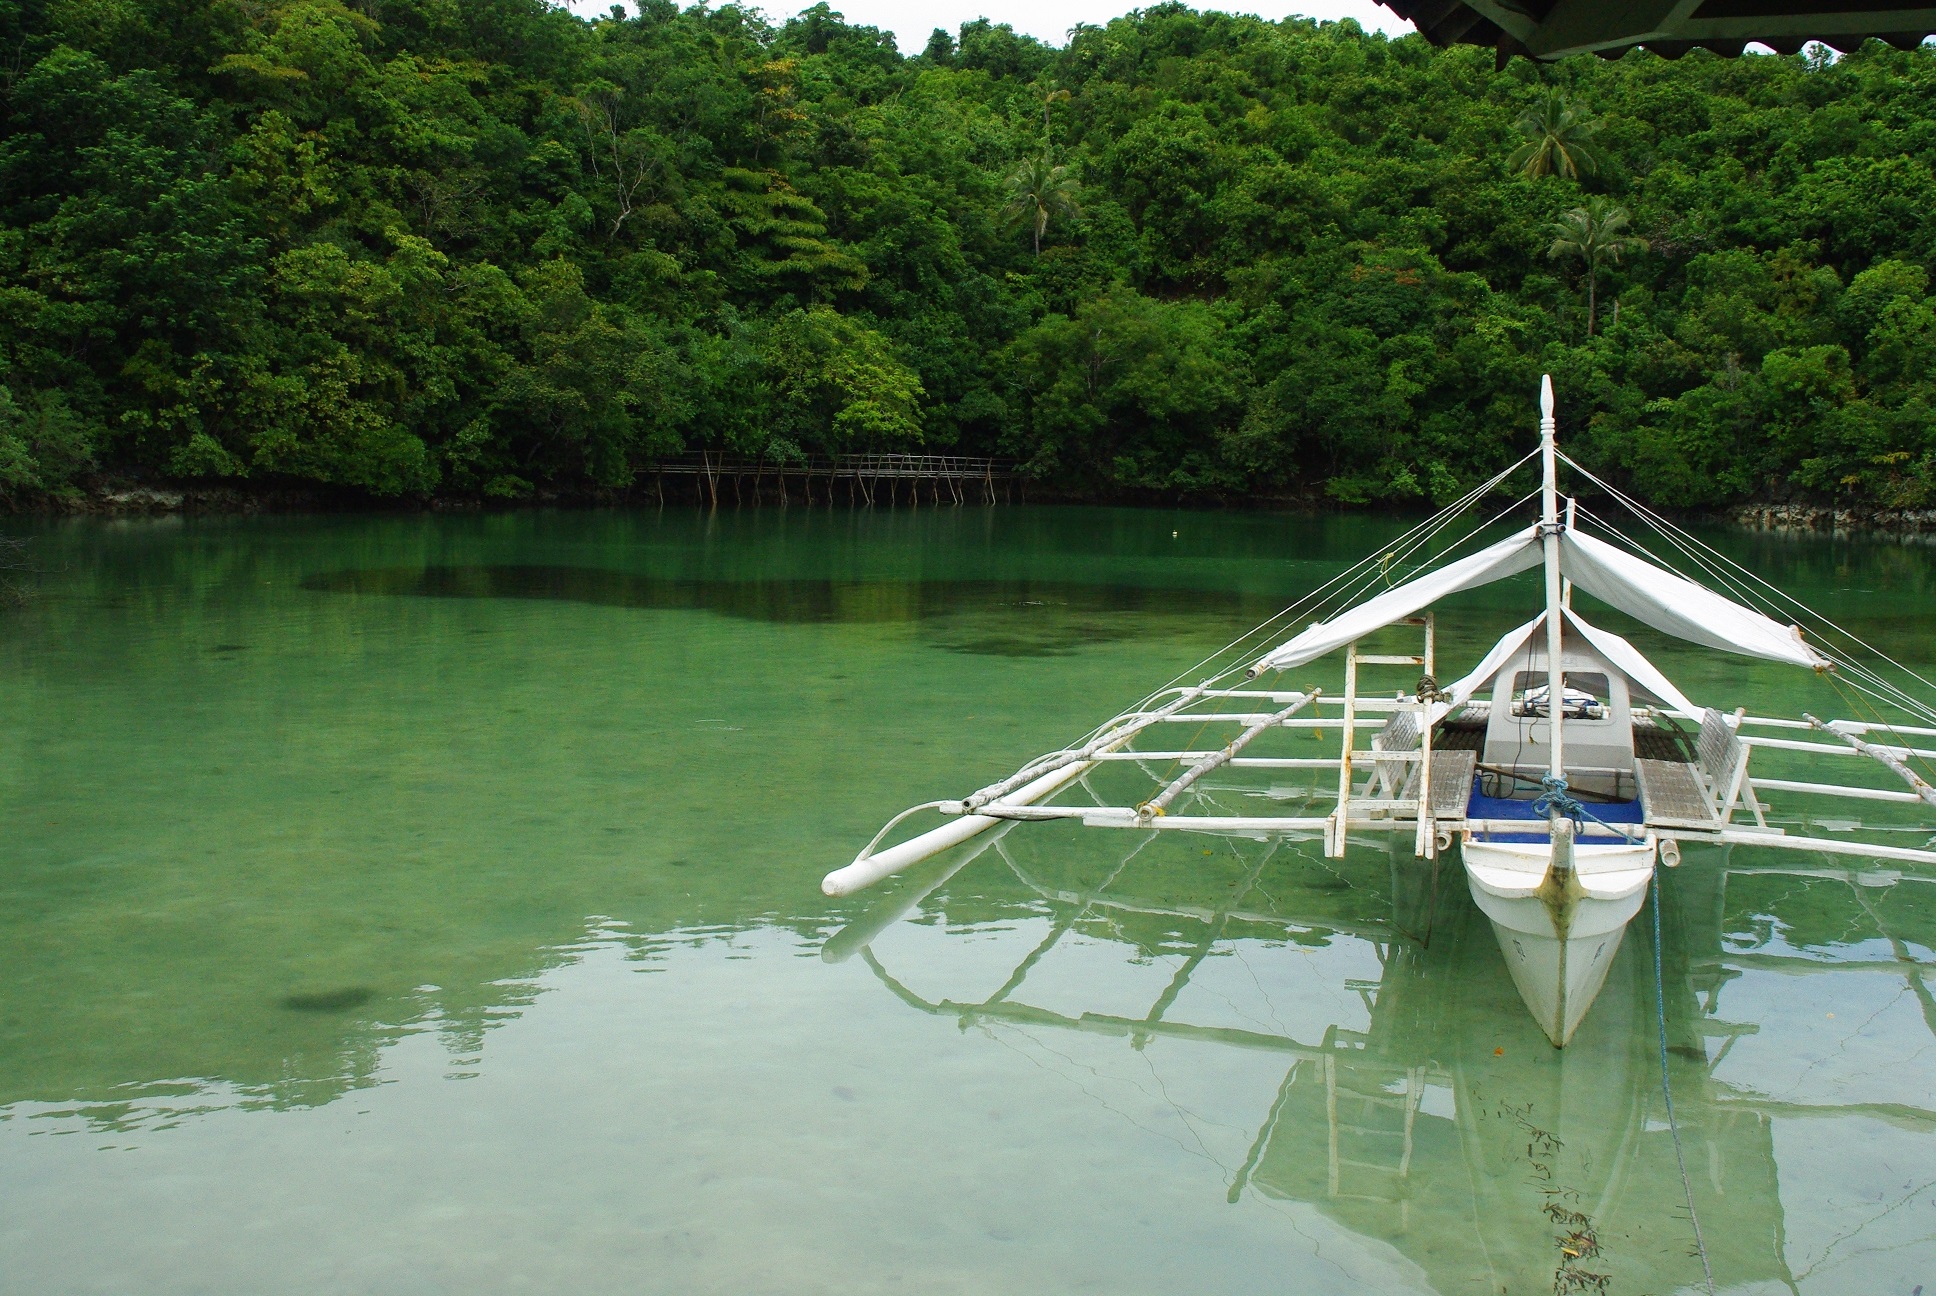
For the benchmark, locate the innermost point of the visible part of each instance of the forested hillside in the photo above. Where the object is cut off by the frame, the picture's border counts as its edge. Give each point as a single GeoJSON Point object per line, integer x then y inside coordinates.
{"type": "Point", "coordinates": [485, 248]}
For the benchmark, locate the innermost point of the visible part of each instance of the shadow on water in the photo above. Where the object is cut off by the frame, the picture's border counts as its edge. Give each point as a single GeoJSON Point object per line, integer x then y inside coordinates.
{"type": "Point", "coordinates": [341, 999]}
{"type": "Point", "coordinates": [1007, 618]}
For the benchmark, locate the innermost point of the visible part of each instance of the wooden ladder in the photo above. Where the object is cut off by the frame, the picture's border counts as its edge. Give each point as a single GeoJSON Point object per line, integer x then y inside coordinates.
{"type": "Point", "coordinates": [1337, 829]}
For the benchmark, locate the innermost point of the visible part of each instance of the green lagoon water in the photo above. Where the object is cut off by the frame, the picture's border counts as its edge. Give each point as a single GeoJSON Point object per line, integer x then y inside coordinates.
{"type": "Point", "coordinates": [431, 904]}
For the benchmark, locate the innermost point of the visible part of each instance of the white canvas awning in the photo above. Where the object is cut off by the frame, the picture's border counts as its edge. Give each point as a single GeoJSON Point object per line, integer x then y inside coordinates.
{"type": "Point", "coordinates": [1648, 593]}
{"type": "Point", "coordinates": [1495, 562]}
{"type": "Point", "coordinates": [1460, 691]}
{"type": "Point", "coordinates": [1677, 606]}
{"type": "Point", "coordinates": [1626, 658]}
{"type": "Point", "coordinates": [1530, 638]}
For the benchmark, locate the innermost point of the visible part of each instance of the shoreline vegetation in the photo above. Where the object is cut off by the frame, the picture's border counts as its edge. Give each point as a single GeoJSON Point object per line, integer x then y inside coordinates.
{"type": "Point", "coordinates": [401, 253]}
{"type": "Point", "coordinates": [124, 500]}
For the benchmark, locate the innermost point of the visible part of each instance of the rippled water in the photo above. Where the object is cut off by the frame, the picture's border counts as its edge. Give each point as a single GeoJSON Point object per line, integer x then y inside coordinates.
{"type": "Point", "coordinates": [425, 904]}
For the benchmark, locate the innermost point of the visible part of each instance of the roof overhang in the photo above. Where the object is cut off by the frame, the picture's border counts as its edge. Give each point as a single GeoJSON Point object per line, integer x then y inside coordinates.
{"type": "Point", "coordinates": [1554, 29]}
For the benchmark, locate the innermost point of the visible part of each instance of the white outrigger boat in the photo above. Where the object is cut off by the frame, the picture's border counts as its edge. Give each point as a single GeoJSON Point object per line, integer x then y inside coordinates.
{"type": "Point", "coordinates": [1560, 814]}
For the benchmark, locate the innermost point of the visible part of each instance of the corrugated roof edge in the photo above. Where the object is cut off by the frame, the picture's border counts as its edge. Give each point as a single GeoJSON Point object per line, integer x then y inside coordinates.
{"type": "Point", "coordinates": [1453, 22]}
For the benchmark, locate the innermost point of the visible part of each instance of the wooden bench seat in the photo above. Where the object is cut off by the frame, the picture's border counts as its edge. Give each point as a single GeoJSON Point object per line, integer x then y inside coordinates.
{"type": "Point", "coordinates": [1451, 782]}
{"type": "Point", "coordinates": [1671, 795]}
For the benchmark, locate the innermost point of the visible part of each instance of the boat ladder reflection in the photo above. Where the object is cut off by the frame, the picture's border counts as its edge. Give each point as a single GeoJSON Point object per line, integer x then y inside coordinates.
{"type": "Point", "coordinates": [1370, 1131]}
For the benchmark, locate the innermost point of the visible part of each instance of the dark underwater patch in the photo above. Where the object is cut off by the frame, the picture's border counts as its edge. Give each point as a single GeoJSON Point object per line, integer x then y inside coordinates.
{"type": "Point", "coordinates": [983, 617]}
{"type": "Point", "coordinates": [341, 999]}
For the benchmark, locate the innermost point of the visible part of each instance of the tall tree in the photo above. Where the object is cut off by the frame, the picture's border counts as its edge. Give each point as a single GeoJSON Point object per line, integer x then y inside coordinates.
{"type": "Point", "coordinates": [1039, 189]}
{"type": "Point", "coordinates": [627, 159]}
{"type": "Point", "coordinates": [1559, 140]}
{"type": "Point", "coordinates": [505, 250]}
{"type": "Point", "coordinates": [1594, 233]}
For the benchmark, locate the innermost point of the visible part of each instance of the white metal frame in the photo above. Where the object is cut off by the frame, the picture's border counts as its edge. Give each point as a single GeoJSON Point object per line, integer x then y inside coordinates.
{"type": "Point", "coordinates": [1027, 794]}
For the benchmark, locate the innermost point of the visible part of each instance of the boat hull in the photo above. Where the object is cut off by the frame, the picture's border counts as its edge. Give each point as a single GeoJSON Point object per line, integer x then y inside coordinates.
{"type": "Point", "coordinates": [1560, 910]}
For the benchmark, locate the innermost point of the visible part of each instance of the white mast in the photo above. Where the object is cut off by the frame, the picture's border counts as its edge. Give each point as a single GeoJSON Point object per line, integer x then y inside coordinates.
{"type": "Point", "coordinates": [1549, 500]}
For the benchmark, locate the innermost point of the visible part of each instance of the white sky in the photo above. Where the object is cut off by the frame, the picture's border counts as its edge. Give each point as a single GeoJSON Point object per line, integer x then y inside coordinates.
{"type": "Point", "coordinates": [1049, 20]}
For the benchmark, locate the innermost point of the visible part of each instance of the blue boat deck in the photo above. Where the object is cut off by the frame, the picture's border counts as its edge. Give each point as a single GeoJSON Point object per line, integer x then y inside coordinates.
{"type": "Point", "coordinates": [1481, 806]}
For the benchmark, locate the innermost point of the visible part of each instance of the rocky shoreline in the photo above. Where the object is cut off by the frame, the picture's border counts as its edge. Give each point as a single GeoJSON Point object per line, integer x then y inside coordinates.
{"type": "Point", "coordinates": [1817, 519]}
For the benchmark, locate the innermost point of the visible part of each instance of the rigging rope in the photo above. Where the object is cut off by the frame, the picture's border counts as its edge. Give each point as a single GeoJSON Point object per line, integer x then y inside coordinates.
{"type": "Point", "coordinates": [1341, 584]}
{"type": "Point", "coordinates": [1385, 562]}
{"type": "Point", "coordinates": [1346, 600]}
{"type": "Point", "coordinates": [1694, 548]}
{"type": "Point", "coordinates": [1346, 586]}
{"type": "Point", "coordinates": [1856, 707]}
{"type": "Point", "coordinates": [1361, 578]}
{"type": "Point", "coordinates": [1854, 674]}
{"type": "Point", "coordinates": [1858, 674]}
{"type": "Point", "coordinates": [1667, 1092]}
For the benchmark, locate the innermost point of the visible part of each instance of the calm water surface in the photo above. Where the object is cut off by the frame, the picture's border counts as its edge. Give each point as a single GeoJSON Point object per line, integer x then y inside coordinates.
{"type": "Point", "coordinates": [431, 904]}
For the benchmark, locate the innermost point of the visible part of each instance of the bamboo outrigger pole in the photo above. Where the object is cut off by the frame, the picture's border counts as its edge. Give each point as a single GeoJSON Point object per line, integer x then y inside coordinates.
{"type": "Point", "coordinates": [1889, 758]}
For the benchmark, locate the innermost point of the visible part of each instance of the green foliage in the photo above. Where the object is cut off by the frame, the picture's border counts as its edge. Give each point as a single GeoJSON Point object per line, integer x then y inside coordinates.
{"type": "Point", "coordinates": [1559, 140]}
{"type": "Point", "coordinates": [1038, 190]}
{"type": "Point", "coordinates": [1130, 390]}
{"type": "Point", "coordinates": [837, 384]}
{"type": "Point", "coordinates": [1595, 233]}
{"type": "Point", "coordinates": [497, 250]}
{"type": "Point", "coordinates": [42, 443]}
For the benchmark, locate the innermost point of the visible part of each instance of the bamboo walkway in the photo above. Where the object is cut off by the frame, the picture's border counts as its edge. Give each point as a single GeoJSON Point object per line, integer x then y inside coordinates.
{"type": "Point", "coordinates": [859, 478]}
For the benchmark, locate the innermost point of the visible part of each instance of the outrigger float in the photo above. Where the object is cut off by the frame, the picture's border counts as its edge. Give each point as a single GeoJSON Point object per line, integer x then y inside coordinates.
{"type": "Point", "coordinates": [1560, 813]}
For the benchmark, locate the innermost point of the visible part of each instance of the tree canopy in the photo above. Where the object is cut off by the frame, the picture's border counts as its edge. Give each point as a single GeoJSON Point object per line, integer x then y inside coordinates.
{"type": "Point", "coordinates": [409, 247]}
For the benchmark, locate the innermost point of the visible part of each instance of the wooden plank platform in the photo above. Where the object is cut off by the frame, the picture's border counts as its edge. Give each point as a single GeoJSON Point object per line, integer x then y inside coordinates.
{"type": "Point", "coordinates": [1671, 796]}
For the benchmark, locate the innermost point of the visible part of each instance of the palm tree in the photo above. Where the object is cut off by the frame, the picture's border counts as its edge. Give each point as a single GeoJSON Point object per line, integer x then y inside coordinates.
{"type": "Point", "coordinates": [1039, 189]}
{"type": "Point", "coordinates": [1559, 140]}
{"type": "Point", "coordinates": [1594, 233]}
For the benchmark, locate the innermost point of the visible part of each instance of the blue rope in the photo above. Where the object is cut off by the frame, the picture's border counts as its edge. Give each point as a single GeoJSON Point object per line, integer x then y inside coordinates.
{"type": "Point", "coordinates": [1660, 1013]}
{"type": "Point", "coordinates": [1553, 796]}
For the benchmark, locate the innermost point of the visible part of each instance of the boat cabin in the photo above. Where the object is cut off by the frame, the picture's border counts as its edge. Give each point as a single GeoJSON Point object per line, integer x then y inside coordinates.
{"type": "Point", "coordinates": [1599, 739]}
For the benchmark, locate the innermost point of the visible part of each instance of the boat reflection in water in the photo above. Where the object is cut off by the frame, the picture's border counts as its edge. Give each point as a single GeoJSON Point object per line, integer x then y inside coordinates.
{"type": "Point", "coordinates": [1413, 1108]}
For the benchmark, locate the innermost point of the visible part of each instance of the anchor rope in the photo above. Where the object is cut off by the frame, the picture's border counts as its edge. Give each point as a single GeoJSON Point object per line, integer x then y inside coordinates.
{"type": "Point", "coordinates": [1667, 1092]}
{"type": "Point", "coordinates": [1555, 796]}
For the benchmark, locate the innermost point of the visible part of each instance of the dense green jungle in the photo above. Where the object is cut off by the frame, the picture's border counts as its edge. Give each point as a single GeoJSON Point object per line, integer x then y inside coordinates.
{"type": "Point", "coordinates": [408, 249]}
